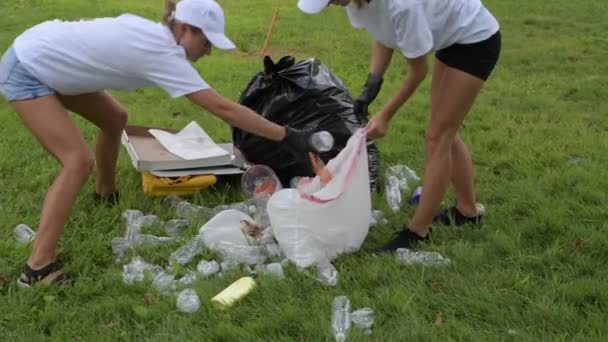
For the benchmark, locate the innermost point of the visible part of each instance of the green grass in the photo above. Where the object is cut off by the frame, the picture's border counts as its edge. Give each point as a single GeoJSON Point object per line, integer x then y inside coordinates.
{"type": "Point", "coordinates": [539, 138]}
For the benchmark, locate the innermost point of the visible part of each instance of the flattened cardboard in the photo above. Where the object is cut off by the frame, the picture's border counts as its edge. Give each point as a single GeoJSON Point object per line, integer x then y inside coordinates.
{"type": "Point", "coordinates": [147, 154]}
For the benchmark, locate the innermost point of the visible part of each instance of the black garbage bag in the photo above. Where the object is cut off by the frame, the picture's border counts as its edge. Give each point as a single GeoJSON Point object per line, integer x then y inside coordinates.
{"type": "Point", "coordinates": [302, 95]}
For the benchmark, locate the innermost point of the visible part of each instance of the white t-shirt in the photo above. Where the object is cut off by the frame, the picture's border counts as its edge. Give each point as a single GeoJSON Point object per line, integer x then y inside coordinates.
{"type": "Point", "coordinates": [417, 27]}
{"type": "Point", "coordinates": [123, 53]}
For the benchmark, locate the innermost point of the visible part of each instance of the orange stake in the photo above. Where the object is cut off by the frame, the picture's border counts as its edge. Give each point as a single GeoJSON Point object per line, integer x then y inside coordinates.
{"type": "Point", "coordinates": [275, 17]}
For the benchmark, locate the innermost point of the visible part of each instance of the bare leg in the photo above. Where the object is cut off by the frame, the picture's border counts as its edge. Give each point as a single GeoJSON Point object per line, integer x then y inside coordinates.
{"type": "Point", "coordinates": [105, 112]}
{"type": "Point", "coordinates": [462, 165]}
{"type": "Point", "coordinates": [49, 122]}
{"type": "Point", "coordinates": [456, 92]}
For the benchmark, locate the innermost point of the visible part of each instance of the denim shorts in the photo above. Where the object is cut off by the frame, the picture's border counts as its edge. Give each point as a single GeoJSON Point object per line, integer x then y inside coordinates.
{"type": "Point", "coordinates": [16, 83]}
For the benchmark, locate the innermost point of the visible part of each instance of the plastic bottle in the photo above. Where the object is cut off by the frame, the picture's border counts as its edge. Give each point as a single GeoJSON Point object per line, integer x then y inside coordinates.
{"type": "Point", "coordinates": [393, 193]}
{"type": "Point", "coordinates": [340, 318]}
{"type": "Point", "coordinates": [188, 301]}
{"type": "Point", "coordinates": [234, 292]}
{"type": "Point", "coordinates": [23, 233]}
{"type": "Point", "coordinates": [322, 141]}
{"type": "Point", "coordinates": [363, 319]}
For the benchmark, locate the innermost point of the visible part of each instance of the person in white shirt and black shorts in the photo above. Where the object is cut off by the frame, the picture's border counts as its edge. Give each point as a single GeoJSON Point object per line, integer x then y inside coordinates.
{"type": "Point", "coordinates": [58, 66]}
{"type": "Point", "coordinates": [466, 40]}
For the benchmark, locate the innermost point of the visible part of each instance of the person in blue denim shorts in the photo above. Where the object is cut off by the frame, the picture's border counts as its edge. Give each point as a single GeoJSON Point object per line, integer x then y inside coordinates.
{"type": "Point", "coordinates": [58, 66]}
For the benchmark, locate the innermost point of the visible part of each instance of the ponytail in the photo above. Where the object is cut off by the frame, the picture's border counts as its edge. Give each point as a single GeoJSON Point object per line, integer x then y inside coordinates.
{"type": "Point", "coordinates": [168, 13]}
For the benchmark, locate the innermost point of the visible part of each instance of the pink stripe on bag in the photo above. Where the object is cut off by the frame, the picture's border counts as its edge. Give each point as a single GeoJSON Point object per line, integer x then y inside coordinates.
{"type": "Point", "coordinates": [350, 173]}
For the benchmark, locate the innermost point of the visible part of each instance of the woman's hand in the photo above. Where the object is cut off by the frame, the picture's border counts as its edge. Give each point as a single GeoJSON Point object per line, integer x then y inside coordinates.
{"type": "Point", "coordinates": [377, 127]}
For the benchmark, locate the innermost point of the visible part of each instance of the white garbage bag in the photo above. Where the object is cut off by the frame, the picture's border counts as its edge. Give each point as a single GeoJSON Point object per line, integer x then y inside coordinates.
{"type": "Point", "coordinates": [317, 222]}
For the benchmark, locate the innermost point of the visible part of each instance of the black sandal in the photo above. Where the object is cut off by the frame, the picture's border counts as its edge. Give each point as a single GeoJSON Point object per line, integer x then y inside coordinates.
{"type": "Point", "coordinates": [29, 277]}
{"type": "Point", "coordinates": [453, 216]}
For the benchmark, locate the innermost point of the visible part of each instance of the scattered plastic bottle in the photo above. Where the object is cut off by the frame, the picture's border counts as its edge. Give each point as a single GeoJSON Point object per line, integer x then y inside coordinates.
{"type": "Point", "coordinates": [275, 269]}
{"type": "Point", "coordinates": [340, 318]}
{"type": "Point", "coordinates": [249, 255]}
{"type": "Point", "coordinates": [377, 218]}
{"type": "Point", "coordinates": [149, 221]}
{"type": "Point", "coordinates": [409, 257]}
{"type": "Point", "coordinates": [185, 253]}
{"type": "Point", "coordinates": [293, 183]}
{"type": "Point", "coordinates": [176, 227]}
{"type": "Point", "coordinates": [393, 193]}
{"type": "Point", "coordinates": [327, 273]}
{"type": "Point", "coordinates": [363, 319]}
{"type": "Point", "coordinates": [23, 233]}
{"type": "Point", "coordinates": [171, 201]}
{"type": "Point", "coordinates": [188, 210]}
{"type": "Point", "coordinates": [188, 278]}
{"type": "Point", "coordinates": [152, 240]}
{"type": "Point", "coordinates": [208, 268]}
{"type": "Point", "coordinates": [134, 271]}
{"type": "Point", "coordinates": [188, 301]}
{"type": "Point", "coordinates": [163, 282]}
{"type": "Point", "coordinates": [322, 141]}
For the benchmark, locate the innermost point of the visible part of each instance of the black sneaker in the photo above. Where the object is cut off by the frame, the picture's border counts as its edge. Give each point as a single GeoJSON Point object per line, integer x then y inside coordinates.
{"type": "Point", "coordinates": [452, 216]}
{"type": "Point", "coordinates": [403, 239]}
{"type": "Point", "coordinates": [110, 199]}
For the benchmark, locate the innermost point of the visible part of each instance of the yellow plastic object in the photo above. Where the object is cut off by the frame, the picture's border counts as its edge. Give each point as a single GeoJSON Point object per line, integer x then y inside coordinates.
{"type": "Point", "coordinates": [179, 186]}
{"type": "Point", "coordinates": [234, 292]}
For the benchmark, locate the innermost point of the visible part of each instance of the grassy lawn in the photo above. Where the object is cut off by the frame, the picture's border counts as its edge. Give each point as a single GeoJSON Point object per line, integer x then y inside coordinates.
{"type": "Point", "coordinates": [539, 138]}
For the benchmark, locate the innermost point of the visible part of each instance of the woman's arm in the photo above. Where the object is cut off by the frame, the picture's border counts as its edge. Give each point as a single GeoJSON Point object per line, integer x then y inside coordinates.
{"type": "Point", "coordinates": [237, 115]}
{"type": "Point", "coordinates": [415, 75]}
{"type": "Point", "coordinates": [381, 58]}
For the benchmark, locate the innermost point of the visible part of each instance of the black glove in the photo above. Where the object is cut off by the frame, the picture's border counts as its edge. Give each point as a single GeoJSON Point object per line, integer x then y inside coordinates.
{"type": "Point", "coordinates": [298, 142]}
{"type": "Point", "coordinates": [368, 95]}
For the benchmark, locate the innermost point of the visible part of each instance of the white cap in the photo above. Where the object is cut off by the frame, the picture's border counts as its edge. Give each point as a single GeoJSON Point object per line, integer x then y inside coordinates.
{"type": "Point", "coordinates": [312, 6]}
{"type": "Point", "coordinates": [208, 16]}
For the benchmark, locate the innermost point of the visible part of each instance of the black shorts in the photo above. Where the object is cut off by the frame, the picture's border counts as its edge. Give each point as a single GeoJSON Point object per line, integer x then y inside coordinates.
{"type": "Point", "coordinates": [477, 59]}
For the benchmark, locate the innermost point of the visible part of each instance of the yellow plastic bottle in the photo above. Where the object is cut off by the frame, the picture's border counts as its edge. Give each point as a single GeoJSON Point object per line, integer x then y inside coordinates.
{"type": "Point", "coordinates": [234, 292]}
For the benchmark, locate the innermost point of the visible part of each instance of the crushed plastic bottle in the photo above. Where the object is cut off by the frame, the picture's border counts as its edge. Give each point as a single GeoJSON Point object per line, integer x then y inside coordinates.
{"type": "Point", "coordinates": [404, 174]}
{"type": "Point", "coordinates": [171, 201]}
{"type": "Point", "coordinates": [377, 218]}
{"type": "Point", "coordinates": [163, 282]}
{"type": "Point", "coordinates": [134, 271]}
{"type": "Point", "coordinates": [327, 273]}
{"type": "Point", "coordinates": [322, 141]}
{"type": "Point", "coordinates": [207, 268]}
{"type": "Point", "coordinates": [152, 240]}
{"type": "Point", "coordinates": [176, 227]}
{"type": "Point", "coordinates": [293, 183]}
{"type": "Point", "coordinates": [134, 221]}
{"type": "Point", "coordinates": [149, 221]}
{"type": "Point", "coordinates": [188, 278]}
{"type": "Point", "coordinates": [23, 233]}
{"type": "Point", "coordinates": [409, 257]}
{"type": "Point", "coordinates": [363, 319]}
{"type": "Point", "coordinates": [399, 178]}
{"type": "Point", "coordinates": [249, 255]}
{"type": "Point", "coordinates": [393, 193]}
{"type": "Point", "coordinates": [188, 301]}
{"type": "Point", "coordinates": [340, 318]}
{"type": "Point", "coordinates": [186, 210]}
{"type": "Point", "coordinates": [185, 253]}
{"type": "Point", "coordinates": [228, 265]}
{"type": "Point", "coordinates": [275, 269]}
